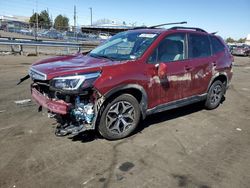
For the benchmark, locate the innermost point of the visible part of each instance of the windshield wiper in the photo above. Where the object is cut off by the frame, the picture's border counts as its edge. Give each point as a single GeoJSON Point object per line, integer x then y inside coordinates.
{"type": "Point", "coordinates": [102, 56]}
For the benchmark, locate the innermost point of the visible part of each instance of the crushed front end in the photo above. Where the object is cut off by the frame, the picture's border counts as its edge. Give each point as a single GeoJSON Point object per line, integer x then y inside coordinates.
{"type": "Point", "coordinates": [71, 100]}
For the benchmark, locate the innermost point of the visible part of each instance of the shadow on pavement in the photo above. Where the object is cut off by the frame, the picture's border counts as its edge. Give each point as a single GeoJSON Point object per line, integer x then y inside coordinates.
{"type": "Point", "coordinates": [84, 137]}
{"type": "Point", "coordinates": [90, 136]}
{"type": "Point", "coordinates": [169, 115]}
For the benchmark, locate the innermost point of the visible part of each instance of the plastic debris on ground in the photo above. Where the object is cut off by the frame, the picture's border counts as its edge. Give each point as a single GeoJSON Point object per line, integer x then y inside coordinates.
{"type": "Point", "coordinates": [22, 102]}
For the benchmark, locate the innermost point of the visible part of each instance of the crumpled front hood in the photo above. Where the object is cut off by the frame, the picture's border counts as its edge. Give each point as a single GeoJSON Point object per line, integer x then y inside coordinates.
{"type": "Point", "coordinates": [68, 65]}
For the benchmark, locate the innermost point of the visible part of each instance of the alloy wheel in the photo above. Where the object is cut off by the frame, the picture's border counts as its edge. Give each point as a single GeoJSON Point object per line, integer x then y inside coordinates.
{"type": "Point", "coordinates": [120, 117]}
{"type": "Point", "coordinates": [216, 94]}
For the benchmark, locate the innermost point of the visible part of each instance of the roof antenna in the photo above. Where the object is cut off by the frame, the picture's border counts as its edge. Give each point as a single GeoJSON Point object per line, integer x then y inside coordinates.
{"type": "Point", "coordinates": [160, 25]}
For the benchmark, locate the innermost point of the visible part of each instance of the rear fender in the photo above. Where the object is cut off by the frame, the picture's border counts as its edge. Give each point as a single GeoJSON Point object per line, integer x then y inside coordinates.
{"type": "Point", "coordinates": [215, 77]}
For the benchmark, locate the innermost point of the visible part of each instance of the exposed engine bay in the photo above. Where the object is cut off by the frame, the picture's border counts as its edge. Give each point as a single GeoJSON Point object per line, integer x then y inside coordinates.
{"type": "Point", "coordinates": [82, 107]}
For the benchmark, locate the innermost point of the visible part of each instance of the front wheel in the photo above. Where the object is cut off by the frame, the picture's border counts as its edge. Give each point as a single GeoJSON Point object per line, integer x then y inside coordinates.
{"type": "Point", "coordinates": [120, 117]}
{"type": "Point", "coordinates": [215, 94]}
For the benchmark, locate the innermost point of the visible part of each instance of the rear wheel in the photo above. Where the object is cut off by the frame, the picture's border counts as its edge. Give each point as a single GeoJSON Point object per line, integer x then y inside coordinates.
{"type": "Point", "coordinates": [120, 117]}
{"type": "Point", "coordinates": [215, 94]}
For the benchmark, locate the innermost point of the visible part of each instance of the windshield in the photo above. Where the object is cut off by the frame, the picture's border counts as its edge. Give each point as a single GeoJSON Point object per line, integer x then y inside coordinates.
{"type": "Point", "coordinates": [125, 46]}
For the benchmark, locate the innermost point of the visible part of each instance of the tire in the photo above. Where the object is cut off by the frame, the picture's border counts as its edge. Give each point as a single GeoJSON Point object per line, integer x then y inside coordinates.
{"type": "Point", "coordinates": [215, 95]}
{"type": "Point", "coordinates": [120, 117]}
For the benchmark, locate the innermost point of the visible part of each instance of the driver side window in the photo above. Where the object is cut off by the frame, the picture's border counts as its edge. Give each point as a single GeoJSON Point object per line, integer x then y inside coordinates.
{"type": "Point", "coordinates": [171, 48]}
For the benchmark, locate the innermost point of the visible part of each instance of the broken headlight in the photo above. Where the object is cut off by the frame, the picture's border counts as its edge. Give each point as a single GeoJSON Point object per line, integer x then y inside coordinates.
{"type": "Point", "coordinates": [72, 82]}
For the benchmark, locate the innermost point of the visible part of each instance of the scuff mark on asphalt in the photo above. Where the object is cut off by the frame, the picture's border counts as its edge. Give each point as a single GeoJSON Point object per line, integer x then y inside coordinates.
{"type": "Point", "coordinates": [180, 143]}
{"type": "Point", "coordinates": [113, 163]}
{"type": "Point", "coordinates": [187, 181]}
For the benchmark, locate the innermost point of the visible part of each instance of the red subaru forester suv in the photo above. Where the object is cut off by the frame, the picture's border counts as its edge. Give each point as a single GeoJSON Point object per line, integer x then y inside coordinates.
{"type": "Point", "coordinates": [134, 74]}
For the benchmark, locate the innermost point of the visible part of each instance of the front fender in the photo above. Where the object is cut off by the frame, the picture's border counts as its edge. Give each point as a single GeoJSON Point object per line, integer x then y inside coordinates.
{"type": "Point", "coordinates": [144, 100]}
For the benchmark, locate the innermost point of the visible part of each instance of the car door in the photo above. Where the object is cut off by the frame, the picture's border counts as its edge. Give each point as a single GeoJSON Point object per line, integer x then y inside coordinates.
{"type": "Point", "coordinates": [171, 52]}
{"type": "Point", "coordinates": [201, 62]}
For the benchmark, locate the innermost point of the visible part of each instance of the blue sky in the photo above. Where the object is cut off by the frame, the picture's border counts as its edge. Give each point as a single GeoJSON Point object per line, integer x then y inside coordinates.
{"type": "Point", "coordinates": [229, 17]}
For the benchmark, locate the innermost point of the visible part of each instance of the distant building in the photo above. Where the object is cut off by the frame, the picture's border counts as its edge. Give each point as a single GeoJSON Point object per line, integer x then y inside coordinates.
{"type": "Point", "coordinates": [248, 40]}
{"type": "Point", "coordinates": [106, 28]}
{"type": "Point", "coordinates": [13, 23]}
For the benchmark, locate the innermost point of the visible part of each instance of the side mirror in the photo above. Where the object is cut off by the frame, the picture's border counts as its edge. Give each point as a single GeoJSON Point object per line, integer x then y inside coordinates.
{"type": "Point", "coordinates": [162, 70]}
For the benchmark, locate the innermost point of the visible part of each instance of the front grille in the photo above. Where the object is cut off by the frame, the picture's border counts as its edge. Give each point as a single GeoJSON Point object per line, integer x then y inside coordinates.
{"type": "Point", "coordinates": [43, 87]}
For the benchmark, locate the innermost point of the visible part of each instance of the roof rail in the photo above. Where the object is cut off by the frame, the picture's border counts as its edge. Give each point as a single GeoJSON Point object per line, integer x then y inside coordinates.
{"type": "Point", "coordinates": [214, 33]}
{"type": "Point", "coordinates": [160, 25]}
{"type": "Point", "coordinates": [140, 27]}
{"type": "Point", "coordinates": [189, 28]}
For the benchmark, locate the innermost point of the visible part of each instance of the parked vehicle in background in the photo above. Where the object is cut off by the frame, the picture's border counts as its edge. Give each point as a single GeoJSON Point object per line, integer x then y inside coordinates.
{"type": "Point", "coordinates": [231, 47]}
{"type": "Point", "coordinates": [26, 32]}
{"type": "Point", "coordinates": [53, 34]}
{"type": "Point", "coordinates": [132, 75]}
{"type": "Point", "coordinates": [104, 36]}
{"type": "Point", "coordinates": [73, 36]}
{"type": "Point", "coordinates": [243, 50]}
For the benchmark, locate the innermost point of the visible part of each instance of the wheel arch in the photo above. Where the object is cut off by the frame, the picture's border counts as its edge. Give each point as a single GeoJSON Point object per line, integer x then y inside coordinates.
{"type": "Point", "coordinates": [135, 90]}
{"type": "Point", "coordinates": [222, 76]}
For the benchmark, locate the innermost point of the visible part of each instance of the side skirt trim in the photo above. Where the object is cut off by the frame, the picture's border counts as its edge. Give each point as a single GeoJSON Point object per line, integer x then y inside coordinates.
{"type": "Point", "coordinates": [176, 104]}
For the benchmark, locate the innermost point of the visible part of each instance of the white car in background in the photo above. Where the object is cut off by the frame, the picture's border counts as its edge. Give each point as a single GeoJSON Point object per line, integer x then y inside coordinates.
{"type": "Point", "coordinates": [104, 36]}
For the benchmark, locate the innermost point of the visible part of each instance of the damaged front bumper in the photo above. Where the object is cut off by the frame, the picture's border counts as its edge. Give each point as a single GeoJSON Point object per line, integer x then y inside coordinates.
{"type": "Point", "coordinates": [74, 113]}
{"type": "Point", "coordinates": [55, 106]}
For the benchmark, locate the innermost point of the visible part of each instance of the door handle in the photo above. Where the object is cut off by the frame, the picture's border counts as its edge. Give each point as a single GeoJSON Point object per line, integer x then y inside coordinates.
{"type": "Point", "coordinates": [157, 66]}
{"type": "Point", "coordinates": [188, 68]}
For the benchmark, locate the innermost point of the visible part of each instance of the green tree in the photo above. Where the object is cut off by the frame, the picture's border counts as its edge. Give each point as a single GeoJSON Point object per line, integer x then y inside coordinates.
{"type": "Point", "coordinates": [32, 20]}
{"type": "Point", "coordinates": [230, 40]}
{"type": "Point", "coordinates": [45, 21]}
{"type": "Point", "coordinates": [61, 23]}
{"type": "Point", "coordinates": [242, 40]}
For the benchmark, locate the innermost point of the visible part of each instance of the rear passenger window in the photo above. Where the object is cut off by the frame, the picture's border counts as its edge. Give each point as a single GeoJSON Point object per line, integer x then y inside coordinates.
{"type": "Point", "coordinates": [217, 45]}
{"type": "Point", "coordinates": [199, 46]}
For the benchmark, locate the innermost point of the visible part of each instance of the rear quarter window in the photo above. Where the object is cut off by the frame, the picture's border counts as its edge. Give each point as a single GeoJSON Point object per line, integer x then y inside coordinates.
{"type": "Point", "coordinates": [217, 45]}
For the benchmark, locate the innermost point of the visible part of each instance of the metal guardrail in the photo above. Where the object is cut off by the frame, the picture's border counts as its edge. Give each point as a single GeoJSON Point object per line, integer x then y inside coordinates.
{"type": "Point", "coordinates": [31, 42]}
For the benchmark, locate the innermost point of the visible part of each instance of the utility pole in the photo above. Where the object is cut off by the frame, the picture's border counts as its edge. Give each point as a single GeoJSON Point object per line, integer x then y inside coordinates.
{"type": "Point", "coordinates": [75, 20]}
{"type": "Point", "coordinates": [51, 19]}
{"type": "Point", "coordinates": [90, 15]}
{"type": "Point", "coordinates": [74, 17]}
{"type": "Point", "coordinates": [36, 27]}
{"type": "Point", "coordinates": [36, 20]}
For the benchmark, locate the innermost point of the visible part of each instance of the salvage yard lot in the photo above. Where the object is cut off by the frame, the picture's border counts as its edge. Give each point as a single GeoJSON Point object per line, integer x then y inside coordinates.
{"type": "Point", "coordinates": [186, 147]}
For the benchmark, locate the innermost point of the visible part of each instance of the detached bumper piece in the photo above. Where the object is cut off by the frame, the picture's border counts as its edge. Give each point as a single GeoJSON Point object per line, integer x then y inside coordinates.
{"type": "Point", "coordinates": [69, 129]}
{"type": "Point", "coordinates": [55, 106]}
